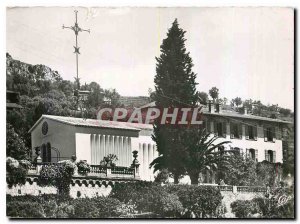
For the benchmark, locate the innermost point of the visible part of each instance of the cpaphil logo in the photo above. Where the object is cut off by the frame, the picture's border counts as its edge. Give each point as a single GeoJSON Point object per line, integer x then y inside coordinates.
{"type": "Point", "coordinates": [164, 116]}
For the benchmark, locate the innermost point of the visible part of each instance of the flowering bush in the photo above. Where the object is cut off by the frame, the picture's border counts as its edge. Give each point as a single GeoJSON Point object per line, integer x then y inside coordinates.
{"type": "Point", "coordinates": [16, 171]}
{"type": "Point", "coordinates": [83, 167]}
{"type": "Point", "coordinates": [59, 175]}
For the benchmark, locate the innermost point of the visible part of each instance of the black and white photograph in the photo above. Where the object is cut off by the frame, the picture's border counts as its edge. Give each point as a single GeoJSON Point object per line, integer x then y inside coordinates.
{"type": "Point", "coordinates": [150, 112]}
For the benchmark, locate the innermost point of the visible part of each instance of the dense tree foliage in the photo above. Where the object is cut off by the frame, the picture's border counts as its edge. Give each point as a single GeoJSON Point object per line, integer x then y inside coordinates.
{"type": "Point", "coordinates": [44, 91]}
{"type": "Point", "coordinates": [203, 153]}
{"type": "Point", "coordinates": [175, 86]}
{"type": "Point", "coordinates": [214, 93]}
{"type": "Point", "coordinates": [15, 144]}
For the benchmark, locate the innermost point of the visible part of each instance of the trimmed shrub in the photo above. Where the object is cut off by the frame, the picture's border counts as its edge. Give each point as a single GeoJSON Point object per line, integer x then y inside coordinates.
{"type": "Point", "coordinates": [21, 209]}
{"type": "Point", "coordinates": [51, 206]}
{"type": "Point", "coordinates": [148, 197]}
{"type": "Point", "coordinates": [99, 207]}
{"type": "Point", "coordinates": [200, 201]}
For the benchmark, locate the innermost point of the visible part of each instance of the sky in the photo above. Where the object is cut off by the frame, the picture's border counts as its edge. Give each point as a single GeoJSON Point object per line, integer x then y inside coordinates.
{"type": "Point", "coordinates": [245, 52]}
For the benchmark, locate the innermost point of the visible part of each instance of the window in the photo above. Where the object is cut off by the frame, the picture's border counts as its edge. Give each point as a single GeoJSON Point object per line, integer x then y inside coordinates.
{"type": "Point", "coordinates": [251, 132]}
{"type": "Point", "coordinates": [235, 130]}
{"type": "Point", "coordinates": [253, 154]}
{"type": "Point", "coordinates": [269, 134]}
{"type": "Point", "coordinates": [220, 129]}
{"type": "Point", "coordinates": [270, 156]}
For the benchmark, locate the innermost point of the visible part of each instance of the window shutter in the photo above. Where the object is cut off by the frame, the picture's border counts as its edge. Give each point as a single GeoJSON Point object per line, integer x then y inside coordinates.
{"type": "Point", "coordinates": [274, 157]}
{"type": "Point", "coordinates": [274, 134]}
{"type": "Point", "coordinates": [241, 151]}
{"type": "Point", "coordinates": [224, 127]}
{"type": "Point", "coordinates": [265, 134]}
{"type": "Point", "coordinates": [255, 132]}
{"type": "Point", "coordinates": [266, 155]}
{"type": "Point", "coordinates": [231, 130]}
{"type": "Point", "coordinates": [247, 153]}
{"type": "Point", "coordinates": [240, 127]}
{"type": "Point", "coordinates": [247, 132]}
{"type": "Point", "coordinates": [215, 128]}
{"type": "Point", "coordinates": [256, 155]}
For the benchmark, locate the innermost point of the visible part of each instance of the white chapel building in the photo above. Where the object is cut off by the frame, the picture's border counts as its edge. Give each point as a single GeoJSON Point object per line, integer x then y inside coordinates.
{"type": "Point", "coordinates": [61, 137]}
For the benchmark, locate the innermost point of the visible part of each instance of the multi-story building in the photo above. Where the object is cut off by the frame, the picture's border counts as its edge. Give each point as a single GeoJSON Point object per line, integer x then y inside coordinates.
{"type": "Point", "coordinates": [61, 137]}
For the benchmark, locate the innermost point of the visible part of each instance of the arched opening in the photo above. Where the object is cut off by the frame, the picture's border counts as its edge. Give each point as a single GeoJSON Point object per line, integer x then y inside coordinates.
{"type": "Point", "coordinates": [44, 153]}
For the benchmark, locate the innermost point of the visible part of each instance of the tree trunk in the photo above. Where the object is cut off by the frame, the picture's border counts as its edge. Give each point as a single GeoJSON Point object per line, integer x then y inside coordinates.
{"type": "Point", "coordinates": [194, 178]}
{"type": "Point", "coordinates": [176, 178]}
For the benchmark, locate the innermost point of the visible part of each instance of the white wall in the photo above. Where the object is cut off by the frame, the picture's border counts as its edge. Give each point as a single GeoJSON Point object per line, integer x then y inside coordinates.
{"type": "Point", "coordinates": [259, 144]}
{"type": "Point", "coordinates": [60, 136]}
{"type": "Point", "coordinates": [146, 148]}
{"type": "Point", "coordinates": [83, 147]}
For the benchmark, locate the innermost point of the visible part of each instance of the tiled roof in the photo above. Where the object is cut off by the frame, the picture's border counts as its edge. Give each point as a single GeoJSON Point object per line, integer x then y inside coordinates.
{"type": "Point", "coordinates": [94, 123]}
{"type": "Point", "coordinates": [234, 114]}
{"type": "Point", "coordinates": [230, 114]}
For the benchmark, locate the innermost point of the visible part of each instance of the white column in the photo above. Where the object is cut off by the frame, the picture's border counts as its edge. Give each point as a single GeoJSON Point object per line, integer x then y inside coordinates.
{"type": "Point", "coordinates": [130, 157]}
{"type": "Point", "coordinates": [102, 146]}
{"type": "Point", "coordinates": [125, 148]}
{"type": "Point", "coordinates": [121, 158]}
{"type": "Point", "coordinates": [97, 148]}
{"type": "Point", "coordinates": [113, 149]}
{"type": "Point", "coordinates": [107, 145]}
{"type": "Point", "coordinates": [92, 149]}
{"type": "Point", "coordinates": [116, 140]}
{"type": "Point", "coordinates": [140, 159]}
{"type": "Point", "coordinates": [150, 159]}
{"type": "Point", "coordinates": [145, 161]}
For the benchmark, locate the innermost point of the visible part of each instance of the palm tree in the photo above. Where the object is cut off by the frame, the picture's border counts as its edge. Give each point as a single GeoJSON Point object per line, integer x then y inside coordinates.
{"type": "Point", "coordinates": [202, 154]}
{"type": "Point", "coordinates": [214, 93]}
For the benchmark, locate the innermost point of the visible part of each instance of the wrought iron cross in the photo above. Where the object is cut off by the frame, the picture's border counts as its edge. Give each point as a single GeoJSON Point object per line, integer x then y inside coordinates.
{"type": "Point", "coordinates": [76, 30]}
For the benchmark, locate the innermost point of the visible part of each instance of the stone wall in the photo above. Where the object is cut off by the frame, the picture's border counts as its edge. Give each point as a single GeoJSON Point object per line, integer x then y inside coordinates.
{"type": "Point", "coordinates": [76, 190]}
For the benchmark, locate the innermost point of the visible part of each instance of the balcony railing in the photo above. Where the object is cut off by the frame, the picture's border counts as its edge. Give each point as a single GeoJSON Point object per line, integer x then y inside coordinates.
{"type": "Point", "coordinates": [122, 170]}
{"type": "Point", "coordinates": [95, 170]}
{"type": "Point", "coordinates": [251, 189]}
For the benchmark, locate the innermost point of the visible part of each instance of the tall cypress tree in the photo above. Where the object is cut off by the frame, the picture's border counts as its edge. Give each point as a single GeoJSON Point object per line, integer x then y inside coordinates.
{"type": "Point", "coordinates": [175, 86]}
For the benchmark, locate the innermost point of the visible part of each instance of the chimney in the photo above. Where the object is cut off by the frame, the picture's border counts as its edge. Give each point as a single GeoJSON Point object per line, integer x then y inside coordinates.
{"type": "Point", "coordinates": [210, 105]}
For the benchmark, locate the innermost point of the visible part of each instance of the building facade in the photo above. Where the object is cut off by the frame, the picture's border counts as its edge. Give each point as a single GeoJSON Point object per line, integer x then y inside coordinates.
{"type": "Point", "coordinates": [59, 138]}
